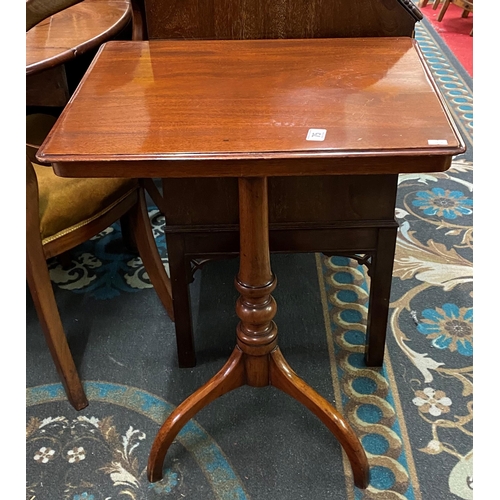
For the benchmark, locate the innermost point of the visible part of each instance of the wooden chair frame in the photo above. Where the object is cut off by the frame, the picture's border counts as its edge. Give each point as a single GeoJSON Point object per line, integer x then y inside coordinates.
{"type": "Point", "coordinates": [132, 211]}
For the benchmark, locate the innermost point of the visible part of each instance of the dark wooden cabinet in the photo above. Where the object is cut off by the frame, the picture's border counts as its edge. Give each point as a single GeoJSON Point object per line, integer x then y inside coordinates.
{"type": "Point", "coordinates": [338, 215]}
{"type": "Point", "coordinates": [341, 215]}
{"type": "Point", "coordinates": [243, 19]}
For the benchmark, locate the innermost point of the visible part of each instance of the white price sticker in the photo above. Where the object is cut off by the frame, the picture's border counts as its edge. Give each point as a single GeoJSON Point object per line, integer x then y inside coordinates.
{"type": "Point", "coordinates": [316, 134]}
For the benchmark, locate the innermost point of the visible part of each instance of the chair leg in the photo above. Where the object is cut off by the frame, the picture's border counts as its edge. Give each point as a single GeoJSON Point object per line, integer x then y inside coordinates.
{"type": "Point", "coordinates": [443, 10]}
{"type": "Point", "coordinates": [380, 291]}
{"type": "Point", "coordinates": [435, 5]}
{"type": "Point", "coordinates": [143, 236]}
{"type": "Point", "coordinates": [40, 286]}
{"type": "Point", "coordinates": [128, 236]}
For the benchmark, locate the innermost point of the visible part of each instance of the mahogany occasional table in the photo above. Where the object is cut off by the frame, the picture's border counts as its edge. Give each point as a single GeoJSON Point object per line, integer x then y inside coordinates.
{"type": "Point", "coordinates": [254, 109]}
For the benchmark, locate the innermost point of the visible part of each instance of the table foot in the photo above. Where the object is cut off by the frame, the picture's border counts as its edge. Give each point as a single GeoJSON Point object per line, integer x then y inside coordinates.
{"type": "Point", "coordinates": [231, 376]}
{"type": "Point", "coordinates": [284, 378]}
{"type": "Point", "coordinates": [256, 360]}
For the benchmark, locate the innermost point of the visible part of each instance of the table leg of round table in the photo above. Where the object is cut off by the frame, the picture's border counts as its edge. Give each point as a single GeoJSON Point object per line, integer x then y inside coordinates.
{"type": "Point", "coordinates": [256, 360]}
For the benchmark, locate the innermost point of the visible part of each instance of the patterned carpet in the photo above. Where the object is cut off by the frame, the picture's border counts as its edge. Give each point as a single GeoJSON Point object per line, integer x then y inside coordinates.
{"type": "Point", "coordinates": [414, 416]}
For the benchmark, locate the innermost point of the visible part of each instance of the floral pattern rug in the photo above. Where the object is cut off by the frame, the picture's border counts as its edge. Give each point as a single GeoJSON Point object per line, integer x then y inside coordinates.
{"type": "Point", "coordinates": [104, 457]}
{"type": "Point", "coordinates": [413, 416]}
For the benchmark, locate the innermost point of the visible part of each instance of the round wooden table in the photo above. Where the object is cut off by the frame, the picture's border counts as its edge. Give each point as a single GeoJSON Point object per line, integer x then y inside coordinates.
{"type": "Point", "coordinates": [73, 31]}
{"type": "Point", "coordinates": [61, 38]}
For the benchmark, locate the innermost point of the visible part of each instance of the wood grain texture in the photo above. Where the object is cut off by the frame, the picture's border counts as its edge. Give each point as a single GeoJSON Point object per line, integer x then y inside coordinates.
{"type": "Point", "coordinates": [230, 377]}
{"type": "Point", "coordinates": [253, 100]}
{"type": "Point", "coordinates": [73, 31]}
{"type": "Point", "coordinates": [284, 378]}
{"type": "Point", "coordinates": [38, 10]}
{"type": "Point", "coordinates": [305, 199]}
{"type": "Point", "coordinates": [38, 278]}
{"type": "Point", "coordinates": [146, 244]}
{"type": "Point", "coordinates": [256, 19]}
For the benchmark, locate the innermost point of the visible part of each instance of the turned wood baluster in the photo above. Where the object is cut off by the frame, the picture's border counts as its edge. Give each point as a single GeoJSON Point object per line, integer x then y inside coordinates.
{"type": "Point", "coordinates": [256, 360]}
{"type": "Point", "coordinates": [256, 332]}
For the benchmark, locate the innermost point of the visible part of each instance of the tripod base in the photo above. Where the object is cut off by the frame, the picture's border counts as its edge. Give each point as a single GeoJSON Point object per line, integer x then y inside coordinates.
{"type": "Point", "coordinates": [279, 374]}
{"type": "Point", "coordinates": [256, 360]}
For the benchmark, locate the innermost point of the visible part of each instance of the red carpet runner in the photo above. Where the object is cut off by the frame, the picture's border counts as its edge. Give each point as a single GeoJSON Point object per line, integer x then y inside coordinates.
{"type": "Point", "coordinates": [454, 30]}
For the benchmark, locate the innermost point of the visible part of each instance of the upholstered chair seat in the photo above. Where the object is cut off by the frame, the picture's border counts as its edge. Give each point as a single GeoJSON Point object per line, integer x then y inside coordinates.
{"type": "Point", "coordinates": [67, 205]}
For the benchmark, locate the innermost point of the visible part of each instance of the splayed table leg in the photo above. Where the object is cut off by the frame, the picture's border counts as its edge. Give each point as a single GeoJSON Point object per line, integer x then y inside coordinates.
{"type": "Point", "coordinates": [256, 360]}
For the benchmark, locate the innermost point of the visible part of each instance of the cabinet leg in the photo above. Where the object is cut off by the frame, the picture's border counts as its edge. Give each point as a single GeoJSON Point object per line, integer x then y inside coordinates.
{"type": "Point", "coordinates": [181, 300]}
{"type": "Point", "coordinates": [380, 292]}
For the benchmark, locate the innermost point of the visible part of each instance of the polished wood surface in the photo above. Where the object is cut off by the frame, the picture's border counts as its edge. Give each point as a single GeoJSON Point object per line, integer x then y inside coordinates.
{"type": "Point", "coordinates": [202, 227]}
{"type": "Point", "coordinates": [248, 100]}
{"type": "Point", "coordinates": [73, 31]}
{"type": "Point", "coordinates": [38, 10]}
{"type": "Point", "coordinates": [243, 19]}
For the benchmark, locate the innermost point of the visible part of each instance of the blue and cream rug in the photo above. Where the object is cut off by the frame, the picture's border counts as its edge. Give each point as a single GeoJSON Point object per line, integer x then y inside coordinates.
{"type": "Point", "coordinates": [414, 416]}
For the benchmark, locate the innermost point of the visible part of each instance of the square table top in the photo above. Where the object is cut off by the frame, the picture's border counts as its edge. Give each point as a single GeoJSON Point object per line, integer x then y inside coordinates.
{"type": "Point", "coordinates": [307, 107]}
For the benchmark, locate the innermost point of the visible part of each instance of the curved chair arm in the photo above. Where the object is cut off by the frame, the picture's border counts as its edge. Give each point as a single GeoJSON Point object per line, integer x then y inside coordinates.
{"type": "Point", "coordinates": [38, 126]}
{"type": "Point", "coordinates": [32, 217]}
{"type": "Point", "coordinates": [139, 26]}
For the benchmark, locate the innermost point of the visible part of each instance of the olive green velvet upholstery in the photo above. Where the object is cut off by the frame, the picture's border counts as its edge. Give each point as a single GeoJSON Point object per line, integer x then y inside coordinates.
{"type": "Point", "coordinates": [67, 204]}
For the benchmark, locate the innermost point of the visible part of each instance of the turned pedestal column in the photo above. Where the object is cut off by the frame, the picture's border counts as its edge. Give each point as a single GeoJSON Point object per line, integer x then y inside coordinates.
{"type": "Point", "coordinates": [256, 360]}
